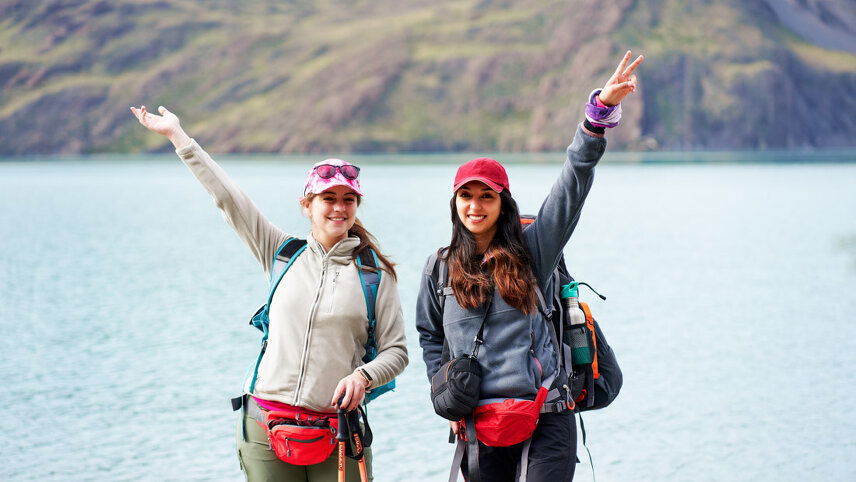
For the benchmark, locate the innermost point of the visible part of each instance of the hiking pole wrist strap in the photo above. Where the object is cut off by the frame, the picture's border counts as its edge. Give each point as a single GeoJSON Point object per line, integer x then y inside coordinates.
{"type": "Point", "coordinates": [472, 451]}
{"type": "Point", "coordinates": [470, 446]}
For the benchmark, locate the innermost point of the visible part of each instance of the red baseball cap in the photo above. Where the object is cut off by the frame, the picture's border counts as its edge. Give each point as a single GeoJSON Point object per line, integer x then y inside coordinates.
{"type": "Point", "coordinates": [483, 169]}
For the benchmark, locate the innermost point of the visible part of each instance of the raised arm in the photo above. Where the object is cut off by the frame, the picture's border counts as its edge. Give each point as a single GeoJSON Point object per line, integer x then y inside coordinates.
{"type": "Point", "coordinates": [249, 223]}
{"type": "Point", "coordinates": [560, 211]}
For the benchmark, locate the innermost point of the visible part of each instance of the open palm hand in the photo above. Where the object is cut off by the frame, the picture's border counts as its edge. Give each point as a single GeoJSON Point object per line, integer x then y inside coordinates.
{"type": "Point", "coordinates": [165, 124]}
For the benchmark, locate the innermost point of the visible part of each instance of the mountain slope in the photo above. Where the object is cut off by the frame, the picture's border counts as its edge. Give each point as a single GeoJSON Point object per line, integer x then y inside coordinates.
{"type": "Point", "coordinates": [312, 76]}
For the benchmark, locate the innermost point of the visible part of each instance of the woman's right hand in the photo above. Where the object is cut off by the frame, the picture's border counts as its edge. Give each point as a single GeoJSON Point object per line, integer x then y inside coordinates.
{"type": "Point", "coordinates": [455, 426]}
{"type": "Point", "coordinates": [166, 124]}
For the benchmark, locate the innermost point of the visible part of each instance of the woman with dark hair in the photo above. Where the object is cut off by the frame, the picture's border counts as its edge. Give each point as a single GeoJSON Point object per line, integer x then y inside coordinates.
{"type": "Point", "coordinates": [317, 324]}
{"type": "Point", "coordinates": [489, 299]}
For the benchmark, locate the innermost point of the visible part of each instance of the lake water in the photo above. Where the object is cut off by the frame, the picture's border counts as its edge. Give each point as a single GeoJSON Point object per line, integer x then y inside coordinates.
{"type": "Point", "coordinates": [731, 305]}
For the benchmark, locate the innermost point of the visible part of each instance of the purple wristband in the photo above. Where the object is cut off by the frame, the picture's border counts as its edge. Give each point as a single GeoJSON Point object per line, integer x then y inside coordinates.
{"type": "Point", "coordinates": [602, 116]}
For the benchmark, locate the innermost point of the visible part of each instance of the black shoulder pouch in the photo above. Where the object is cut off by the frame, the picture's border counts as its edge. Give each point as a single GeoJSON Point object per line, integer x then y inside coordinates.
{"type": "Point", "coordinates": [455, 388]}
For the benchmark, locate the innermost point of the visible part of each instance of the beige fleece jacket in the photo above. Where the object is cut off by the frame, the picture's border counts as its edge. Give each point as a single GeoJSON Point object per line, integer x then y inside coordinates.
{"type": "Point", "coordinates": [318, 316]}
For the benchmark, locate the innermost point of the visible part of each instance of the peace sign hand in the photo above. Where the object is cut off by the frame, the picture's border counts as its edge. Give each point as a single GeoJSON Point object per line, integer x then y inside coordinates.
{"type": "Point", "coordinates": [622, 82]}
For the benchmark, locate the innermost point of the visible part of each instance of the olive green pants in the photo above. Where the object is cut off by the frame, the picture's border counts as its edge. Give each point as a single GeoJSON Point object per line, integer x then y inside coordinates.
{"type": "Point", "coordinates": [260, 463]}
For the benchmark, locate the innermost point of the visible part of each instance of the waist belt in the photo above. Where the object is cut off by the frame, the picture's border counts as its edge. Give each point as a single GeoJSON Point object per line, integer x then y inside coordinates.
{"type": "Point", "coordinates": [255, 411]}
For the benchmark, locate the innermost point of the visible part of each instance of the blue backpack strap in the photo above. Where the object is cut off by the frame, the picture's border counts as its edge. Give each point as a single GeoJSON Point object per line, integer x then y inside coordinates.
{"type": "Point", "coordinates": [285, 255]}
{"type": "Point", "coordinates": [370, 281]}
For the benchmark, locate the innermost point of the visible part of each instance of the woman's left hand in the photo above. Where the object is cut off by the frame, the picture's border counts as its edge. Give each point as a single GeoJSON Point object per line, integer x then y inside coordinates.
{"type": "Point", "coordinates": [622, 82]}
{"type": "Point", "coordinates": [353, 387]}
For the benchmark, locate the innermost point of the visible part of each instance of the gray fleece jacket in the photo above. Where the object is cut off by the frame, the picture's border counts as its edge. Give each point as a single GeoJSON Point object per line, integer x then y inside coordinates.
{"type": "Point", "coordinates": [318, 318]}
{"type": "Point", "coordinates": [517, 354]}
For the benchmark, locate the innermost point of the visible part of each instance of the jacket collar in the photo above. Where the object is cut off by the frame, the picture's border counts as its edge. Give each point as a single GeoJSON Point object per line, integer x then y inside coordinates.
{"type": "Point", "coordinates": [341, 253]}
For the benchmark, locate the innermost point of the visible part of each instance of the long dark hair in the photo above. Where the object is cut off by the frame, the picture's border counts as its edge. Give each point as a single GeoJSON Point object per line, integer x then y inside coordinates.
{"type": "Point", "coordinates": [506, 264]}
{"type": "Point", "coordinates": [367, 240]}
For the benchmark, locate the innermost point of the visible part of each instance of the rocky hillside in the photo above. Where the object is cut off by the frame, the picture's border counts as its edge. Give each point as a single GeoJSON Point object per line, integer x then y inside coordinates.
{"type": "Point", "coordinates": [425, 75]}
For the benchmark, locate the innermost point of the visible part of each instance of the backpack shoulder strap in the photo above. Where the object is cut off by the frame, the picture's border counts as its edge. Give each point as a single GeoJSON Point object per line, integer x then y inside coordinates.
{"type": "Point", "coordinates": [555, 328]}
{"type": "Point", "coordinates": [285, 255]}
{"type": "Point", "coordinates": [545, 309]}
{"type": "Point", "coordinates": [283, 258]}
{"type": "Point", "coordinates": [438, 269]}
{"type": "Point", "coordinates": [370, 274]}
{"type": "Point", "coordinates": [432, 263]}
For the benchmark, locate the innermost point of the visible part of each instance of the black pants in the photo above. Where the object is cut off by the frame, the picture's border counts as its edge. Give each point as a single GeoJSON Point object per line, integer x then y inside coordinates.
{"type": "Point", "coordinates": [552, 455]}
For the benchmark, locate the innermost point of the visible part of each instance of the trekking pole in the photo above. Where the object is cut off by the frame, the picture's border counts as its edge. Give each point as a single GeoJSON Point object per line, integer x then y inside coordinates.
{"type": "Point", "coordinates": [358, 446]}
{"type": "Point", "coordinates": [342, 438]}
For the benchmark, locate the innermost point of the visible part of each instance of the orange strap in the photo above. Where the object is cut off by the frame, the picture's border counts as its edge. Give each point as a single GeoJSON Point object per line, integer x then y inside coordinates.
{"type": "Point", "coordinates": [590, 325]}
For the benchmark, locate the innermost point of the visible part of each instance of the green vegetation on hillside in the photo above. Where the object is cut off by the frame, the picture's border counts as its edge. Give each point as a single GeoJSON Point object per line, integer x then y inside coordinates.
{"type": "Point", "coordinates": [386, 76]}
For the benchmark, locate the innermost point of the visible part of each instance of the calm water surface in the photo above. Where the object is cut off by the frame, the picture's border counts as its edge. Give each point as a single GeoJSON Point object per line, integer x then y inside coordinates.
{"type": "Point", "coordinates": [731, 305]}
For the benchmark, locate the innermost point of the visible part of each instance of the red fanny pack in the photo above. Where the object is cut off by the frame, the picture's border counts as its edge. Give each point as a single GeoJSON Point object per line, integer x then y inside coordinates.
{"type": "Point", "coordinates": [509, 422]}
{"type": "Point", "coordinates": [299, 436]}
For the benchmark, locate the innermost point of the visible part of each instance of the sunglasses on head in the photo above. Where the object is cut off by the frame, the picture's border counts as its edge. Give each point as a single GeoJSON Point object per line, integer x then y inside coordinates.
{"type": "Point", "coordinates": [326, 171]}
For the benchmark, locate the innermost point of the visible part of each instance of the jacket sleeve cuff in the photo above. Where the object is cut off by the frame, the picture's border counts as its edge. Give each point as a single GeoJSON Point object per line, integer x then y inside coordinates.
{"type": "Point", "coordinates": [593, 130]}
{"type": "Point", "coordinates": [187, 151]}
{"type": "Point", "coordinates": [599, 114]}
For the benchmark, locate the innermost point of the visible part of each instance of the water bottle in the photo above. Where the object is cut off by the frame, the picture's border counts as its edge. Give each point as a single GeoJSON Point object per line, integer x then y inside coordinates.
{"type": "Point", "coordinates": [577, 335]}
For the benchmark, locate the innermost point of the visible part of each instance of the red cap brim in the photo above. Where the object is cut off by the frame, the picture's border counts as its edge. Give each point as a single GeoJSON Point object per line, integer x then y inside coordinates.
{"type": "Point", "coordinates": [496, 187]}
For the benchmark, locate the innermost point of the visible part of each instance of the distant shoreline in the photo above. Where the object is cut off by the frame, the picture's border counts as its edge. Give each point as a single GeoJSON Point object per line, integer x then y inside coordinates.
{"type": "Point", "coordinates": [793, 156]}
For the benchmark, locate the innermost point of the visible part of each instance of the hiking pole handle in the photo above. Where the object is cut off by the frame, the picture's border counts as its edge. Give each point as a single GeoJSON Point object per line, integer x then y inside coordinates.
{"type": "Point", "coordinates": [341, 414]}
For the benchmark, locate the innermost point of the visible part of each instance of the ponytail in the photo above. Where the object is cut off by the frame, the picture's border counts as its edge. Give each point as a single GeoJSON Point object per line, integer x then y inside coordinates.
{"type": "Point", "coordinates": [368, 241]}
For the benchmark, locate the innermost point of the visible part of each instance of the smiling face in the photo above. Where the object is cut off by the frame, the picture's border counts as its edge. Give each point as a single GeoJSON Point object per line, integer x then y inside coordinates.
{"type": "Point", "coordinates": [332, 213]}
{"type": "Point", "coordinates": [478, 208]}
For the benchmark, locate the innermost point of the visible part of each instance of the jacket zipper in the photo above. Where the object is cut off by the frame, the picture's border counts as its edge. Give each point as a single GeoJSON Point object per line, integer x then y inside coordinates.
{"type": "Point", "coordinates": [312, 311]}
{"type": "Point", "coordinates": [333, 287]}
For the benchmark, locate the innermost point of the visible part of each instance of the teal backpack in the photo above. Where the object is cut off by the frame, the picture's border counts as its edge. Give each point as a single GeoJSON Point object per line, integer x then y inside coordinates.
{"type": "Point", "coordinates": [370, 273]}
